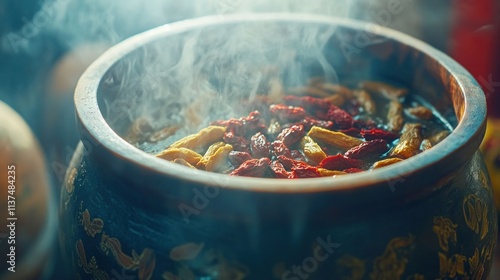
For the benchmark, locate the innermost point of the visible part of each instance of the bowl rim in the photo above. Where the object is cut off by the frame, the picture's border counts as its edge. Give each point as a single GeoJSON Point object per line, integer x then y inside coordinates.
{"type": "Point", "coordinates": [93, 123]}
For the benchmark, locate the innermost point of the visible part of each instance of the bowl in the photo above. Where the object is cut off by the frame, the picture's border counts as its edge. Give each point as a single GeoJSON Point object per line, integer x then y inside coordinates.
{"type": "Point", "coordinates": [126, 212]}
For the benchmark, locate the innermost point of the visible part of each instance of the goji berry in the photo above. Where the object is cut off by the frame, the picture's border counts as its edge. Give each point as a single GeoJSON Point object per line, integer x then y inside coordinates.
{"type": "Point", "coordinates": [309, 122]}
{"type": "Point", "coordinates": [305, 172]}
{"type": "Point", "coordinates": [239, 143]}
{"type": "Point", "coordinates": [297, 155]}
{"type": "Point", "coordinates": [259, 146]}
{"type": "Point", "coordinates": [278, 148]}
{"type": "Point", "coordinates": [308, 102]}
{"type": "Point", "coordinates": [252, 168]}
{"type": "Point", "coordinates": [236, 158]}
{"type": "Point", "coordinates": [367, 150]}
{"type": "Point", "coordinates": [339, 117]}
{"type": "Point", "coordinates": [375, 133]}
{"type": "Point", "coordinates": [365, 124]}
{"type": "Point", "coordinates": [243, 126]}
{"type": "Point", "coordinates": [291, 135]}
{"type": "Point", "coordinates": [287, 162]}
{"type": "Point", "coordinates": [340, 162]}
{"type": "Point", "coordinates": [300, 169]}
{"type": "Point", "coordinates": [279, 171]}
{"type": "Point", "coordinates": [352, 131]}
{"type": "Point", "coordinates": [287, 113]}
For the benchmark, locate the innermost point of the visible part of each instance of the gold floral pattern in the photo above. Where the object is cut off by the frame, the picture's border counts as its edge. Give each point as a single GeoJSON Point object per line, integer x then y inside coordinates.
{"type": "Point", "coordinates": [446, 231]}
{"type": "Point", "coordinates": [451, 267]}
{"type": "Point", "coordinates": [355, 266]}
{"type": "Point", "coordinates": [144, 263]}
{"type": "Point", "coordinates": [91, 266]}
{"type": "Point", "coordinates": [474, 260]}
{"type": "Point", "coordinates": [186, 251]}
{"type": "Point", "coordinates": [91, 227]}
{"type": "Point", "coordinates": [416, 277]}
{"type": "Point", "coordinates": [392, 263]}
{"type": "Point", "coordinates": [476, 215]}
{"type": "Point", "coordinates": [213, 264]}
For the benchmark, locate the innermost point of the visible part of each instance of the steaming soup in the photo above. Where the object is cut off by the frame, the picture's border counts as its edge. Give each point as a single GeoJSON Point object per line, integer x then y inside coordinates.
{"type": "Point", "coordinates": [321, 129]}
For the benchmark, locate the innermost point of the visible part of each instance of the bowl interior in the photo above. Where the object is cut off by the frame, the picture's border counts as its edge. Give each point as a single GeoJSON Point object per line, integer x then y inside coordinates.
{"type": "Point", "coordinates": [189, 73]}
{"type": "Point", "coordinates": [190, 78]}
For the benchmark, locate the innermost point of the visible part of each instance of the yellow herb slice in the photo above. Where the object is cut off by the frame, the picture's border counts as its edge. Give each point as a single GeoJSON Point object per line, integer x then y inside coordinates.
{"type": "Point", "coordinates": [312, 151]}
{"type": "Point", "coordinates": [409, 143]}
{"type": "Point", "coordinates": [188, 155]}
{"type": "Point", "coordinates": [205, 137]}
{"type": "Point", "coordinates": [385, 162]}
{"type": "Point", "coordinates": [366, 100]}
{"type": "Point", "coordinates": [216, 160]}
{"type": "Point", "coordinates": [395, 116]}
{"type": "Point", "coordinates": [388, 91]}
{"type": "Point", "coordinates": [334, 138]}
{"type": "Point", "coordinates": [420, 112]}
{"type": "Point", "coordinates": [184, 162]}
{"type": "Point", "coordinates": [327, 172]}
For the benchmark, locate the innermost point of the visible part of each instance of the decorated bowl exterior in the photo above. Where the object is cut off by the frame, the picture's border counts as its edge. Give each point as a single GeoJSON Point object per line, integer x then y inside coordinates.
{"type": "Point", "coordinates": [125, 213]}
{"type": "Point", "coordinates": [451, 234]}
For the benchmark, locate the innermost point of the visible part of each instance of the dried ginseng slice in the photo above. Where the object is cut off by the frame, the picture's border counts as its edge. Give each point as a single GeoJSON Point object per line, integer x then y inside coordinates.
{"type": "Point", "coordinates": [276, 90]}
{"type": "Point", "coordinates": [163, 133]}
{"type": "Point", "coordinates": [182, 161]}
{"type": "Point", "coordinates": [385, 162]}
{"type": "Point", "coordinates": [395, 116]}
{"type": "Point", "coordinates": [438, 137]}
{"type": "Point", "coordinates": [420, 112]}
{"type": "Point", "coordinates": [388, 91]}
{"type": "Point", "coordinates": [310, 91]}
{"type": "Point", "coordinates": [188, 155]}
{"type": "Point", "coordinates": [366, 100]}
{"type": "Point", "coordinates": [337, 139]}
{"type": "Point", "coordinates": [409, 143]}
{"type": "Point", "coordinates": [216, 157]}
{"type": "Point", "coordinates": [336, 99]}
{"type": "Point", "coordinates": [425, 145]}
{"type": "Point", "coordinates": [338, 89]}
{"type": "Point", "coordinates": [139, 131]}
{"type": "Point", "coordinates": [205, 137]}
{"type": "Point", "coordinates": [327, 172]}
{"type": "Point", "coordinates": [312, 151]}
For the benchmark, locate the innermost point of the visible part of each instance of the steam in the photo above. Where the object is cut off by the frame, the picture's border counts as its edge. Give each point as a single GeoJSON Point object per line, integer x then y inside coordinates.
{"type": "Point", "coordinates": [208, 77]}
{"type": "Point", "coordinates": [190, 79]}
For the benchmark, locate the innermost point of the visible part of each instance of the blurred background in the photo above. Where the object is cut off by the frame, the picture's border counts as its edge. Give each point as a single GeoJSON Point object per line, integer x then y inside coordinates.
{"type": "Point", "coordinates": [45, 45]}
